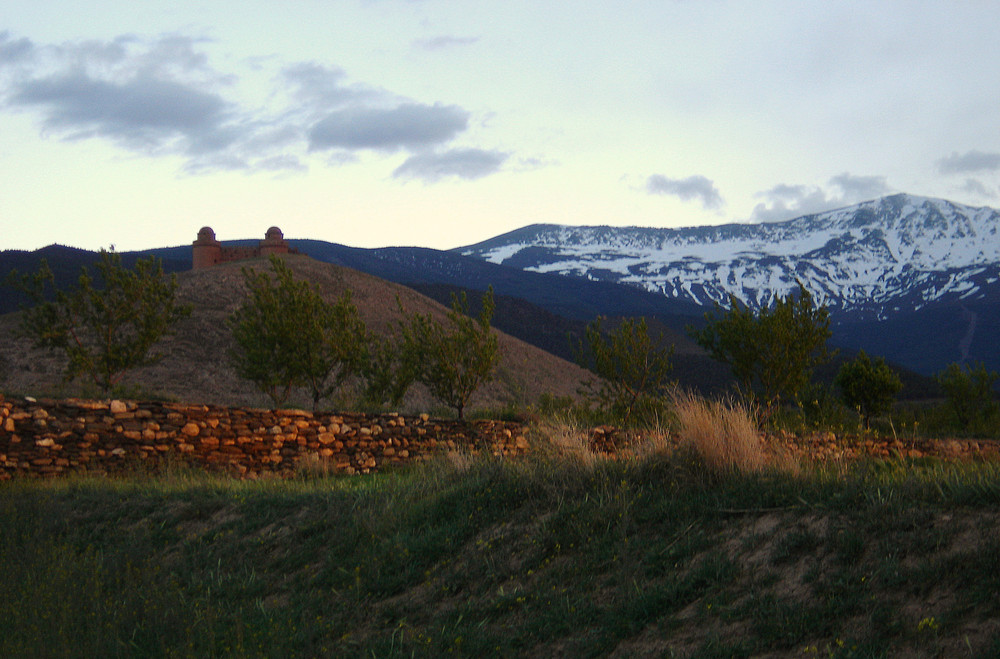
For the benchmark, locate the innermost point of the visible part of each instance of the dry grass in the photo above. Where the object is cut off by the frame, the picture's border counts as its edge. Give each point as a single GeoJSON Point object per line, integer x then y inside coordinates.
{"type": "Point", "coordinates": [565, 439]}
{"type": "Point", "coordinates": [722, 433]}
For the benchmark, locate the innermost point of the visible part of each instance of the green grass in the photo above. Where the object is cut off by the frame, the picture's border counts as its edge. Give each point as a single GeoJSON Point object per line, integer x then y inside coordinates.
{"type": "Point", "coordinates": [646, 557]}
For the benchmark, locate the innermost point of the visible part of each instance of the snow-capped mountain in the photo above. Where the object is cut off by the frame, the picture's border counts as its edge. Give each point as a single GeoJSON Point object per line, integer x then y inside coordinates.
{"type": "Point", "coordinates": [898, 253]}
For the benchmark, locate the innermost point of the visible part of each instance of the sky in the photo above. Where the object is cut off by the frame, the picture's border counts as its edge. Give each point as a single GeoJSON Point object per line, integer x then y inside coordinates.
{"type": "Point", "coordinates": [442, 123]}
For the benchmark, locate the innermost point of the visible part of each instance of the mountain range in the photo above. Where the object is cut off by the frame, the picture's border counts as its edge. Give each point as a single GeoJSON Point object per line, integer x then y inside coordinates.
{"type": "Point", "coordinates": [913, 279]}
{"type": "Point", "coordinates": [876, 259]}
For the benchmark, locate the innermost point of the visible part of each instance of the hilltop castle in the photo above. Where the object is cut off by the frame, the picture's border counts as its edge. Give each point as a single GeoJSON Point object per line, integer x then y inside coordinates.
{"type": "Point", "coordinates": [206, 251]}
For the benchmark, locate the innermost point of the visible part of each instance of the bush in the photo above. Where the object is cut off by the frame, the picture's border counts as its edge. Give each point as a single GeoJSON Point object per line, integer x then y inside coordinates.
{"type": "Point", "coordinates": [772, 350]}
{"type": "Point", "coordinates": [821, 407]}
{"type": "Point", "coordinates": [969, 393]}
{"type": "Point", "coordinates": [453, 360]}
{"type": "Point", "coordinates": [632, 368]}
{"type": "Point", "coordinates": [867, 386]}
{"type": "Point", "coordinates": [288, 336]}
{"type": "Point", "coordinates": [386, 371]}
{"type": "Point", "coordinates": [723, 435]}
{"type": "Point", "coordinates": [106, 331]}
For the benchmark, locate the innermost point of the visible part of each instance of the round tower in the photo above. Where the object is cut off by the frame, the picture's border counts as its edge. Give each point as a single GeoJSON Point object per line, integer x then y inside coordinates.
{"type": "Point", "coordinates": [206, 251]}
{"type": "Point", "coordinates": [273, 243]}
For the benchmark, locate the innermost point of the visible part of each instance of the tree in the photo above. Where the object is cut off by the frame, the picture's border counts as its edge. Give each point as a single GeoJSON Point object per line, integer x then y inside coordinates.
{"type": "Point", "coordinates": [868, 386]}
{"type": "Point", "coordinates": [774, 349]}
{"type": "Point", "coordinates": [633, 370]}
{"type": "Point", "coordinates": [452, 359]}
{"type": "Point", "coordinates": [105, 330]}
{"type": "Point", "coordinates": [286, 335]}
{"type": "Point", "coordinates": [387, 372]}
{"type": "Point", "coordinates": [969, 392]}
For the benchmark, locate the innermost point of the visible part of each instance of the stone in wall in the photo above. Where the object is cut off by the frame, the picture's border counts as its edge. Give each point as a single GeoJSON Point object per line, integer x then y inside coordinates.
{"type": "Point", "coordinates": [52, 438]}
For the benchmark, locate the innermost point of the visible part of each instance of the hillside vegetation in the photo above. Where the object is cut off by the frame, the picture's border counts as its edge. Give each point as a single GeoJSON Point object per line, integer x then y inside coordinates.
{"type": "Point", "coordinates": [196, 367]}
{"type": "Point", "coordinates": [563, 554]}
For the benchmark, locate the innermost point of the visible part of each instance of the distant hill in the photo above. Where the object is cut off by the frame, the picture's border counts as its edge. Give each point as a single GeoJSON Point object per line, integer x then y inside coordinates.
{"type": "Point", "coordinates": [65, 263]}
{"type": "Point", "coordinates": [196, 368]}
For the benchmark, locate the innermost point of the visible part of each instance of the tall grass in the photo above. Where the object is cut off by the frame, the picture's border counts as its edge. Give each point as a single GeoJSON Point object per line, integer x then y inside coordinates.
{"type": "Point", "coordinates": [722, 433]}
{"type": "Point", "coordinates": [563, 437]}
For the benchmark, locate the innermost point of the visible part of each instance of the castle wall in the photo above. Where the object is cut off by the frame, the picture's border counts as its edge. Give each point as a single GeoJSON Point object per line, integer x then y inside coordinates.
{"type": "Point", "coordinates": [206, 251]}
{"type": "Point", "coordinates": [205, 256]}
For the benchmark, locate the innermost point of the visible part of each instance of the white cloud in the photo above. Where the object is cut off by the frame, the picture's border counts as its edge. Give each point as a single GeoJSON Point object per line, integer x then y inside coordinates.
{"type": "Point", "coordinates": [783, 202]}
{"type": "Point", "coordinates": [978, 188]}
{"type": "Point", "coordinates": [687, 189]}
{"type": "Point", "coordinates": [14, 50]}
{"type": "Point", "coordinates": [410, 126]}
{"type": "Point", "coordinates": [162, 96]}
{"type": "Point", "coordinates": [444, 42]}
{"type": "Point", "coordinates": [468, 164]}
{"type": "Point", "coordinates": [970, 161]}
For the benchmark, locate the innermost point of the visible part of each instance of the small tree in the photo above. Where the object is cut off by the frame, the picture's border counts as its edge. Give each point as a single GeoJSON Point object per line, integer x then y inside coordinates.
{"type": "Point", "coordinates": [632, 368]}
{"type": "Point", "coordinates": [969, 392]}
{"type": "Point", "coordinates": [107, 330]}
{"type": "Point", "coordinates": [867, 386]}
{"type": "Point", "coordinates": [286, 335]}
{"type": "Point", "coordinates": [386, 370]}
{"type": "Point", "coordinates": [453, 360]}
{"type": "Point", "coordinates": [774, 349]}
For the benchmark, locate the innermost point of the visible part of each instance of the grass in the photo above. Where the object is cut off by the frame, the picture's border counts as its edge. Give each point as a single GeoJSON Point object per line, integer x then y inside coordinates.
{"type": "Point", "coordinates": [663, 554]}
{"type": "Point", "coordinates": [723, 434]}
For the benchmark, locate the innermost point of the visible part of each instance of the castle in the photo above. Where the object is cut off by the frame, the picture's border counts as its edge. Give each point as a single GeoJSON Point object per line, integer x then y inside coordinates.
{"type": "Point", "coordinates": [206, 251]}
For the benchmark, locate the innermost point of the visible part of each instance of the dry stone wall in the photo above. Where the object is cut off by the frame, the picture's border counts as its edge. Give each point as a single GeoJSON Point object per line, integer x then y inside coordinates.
{"type": "Point", "coordinates": [46, 438]}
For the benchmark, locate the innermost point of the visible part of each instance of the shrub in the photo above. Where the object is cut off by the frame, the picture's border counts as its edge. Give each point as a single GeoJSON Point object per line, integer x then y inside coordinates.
{"type": "Point", "coordinates": [868, 386]}
{"type": "Point", "coordinates": [723, 434]}
{"type": "Point", "coordinates": [287, 336]}
{"type": "Point", "coordinates": [821, 407]}
{"type": "Point", "coordinates": [632, 369]}
{"type": "Point", "coordinates": [452, 359]}
{"type": "Point", "coordinates": [386, 372]}
{"type": "Point", "coordinates": [773, 349]}
{"type": "Point", "coordinates": [107, 331]}
{"type": "Point", "coordinates": [969, 393]}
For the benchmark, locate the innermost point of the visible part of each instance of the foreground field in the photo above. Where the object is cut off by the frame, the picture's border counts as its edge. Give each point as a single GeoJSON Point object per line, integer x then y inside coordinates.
{"type": "Point", "coordinates": [549, 556]}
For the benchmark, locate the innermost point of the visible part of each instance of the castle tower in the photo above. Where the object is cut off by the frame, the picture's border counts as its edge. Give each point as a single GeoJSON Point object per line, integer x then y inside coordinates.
{"type": "Point", "coordinates": [273, 243]}
{"type": "Point", "coordinates": [206, 251]}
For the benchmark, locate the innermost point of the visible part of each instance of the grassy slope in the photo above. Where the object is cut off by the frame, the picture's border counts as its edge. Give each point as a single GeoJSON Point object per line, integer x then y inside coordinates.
{"type": "Point", "coordinates": [647, 557]}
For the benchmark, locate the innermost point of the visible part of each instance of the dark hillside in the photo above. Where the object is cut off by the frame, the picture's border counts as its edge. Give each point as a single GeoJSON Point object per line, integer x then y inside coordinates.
{"type": "Point", "coordinates": [196, 369]}
{"type": "Point", "coordinates": [65, 263]}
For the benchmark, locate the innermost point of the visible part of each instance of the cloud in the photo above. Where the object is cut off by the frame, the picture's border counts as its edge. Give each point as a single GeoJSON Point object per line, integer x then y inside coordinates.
{"type": "Point", "coordinates": [157, 97]}
{"type": "Point", "coordinates": [692, 187]}
{"type": "Point", "coordinates": [410, 126]}
{"type": "Point", "coordinates": [162, 96]}
{"type": "Point", "coordinates": [14, 50]}
{"type": "Point", "coordinates": [970, 161]}
{"type": "Point", "coordinates": [859, 188]}
{"type": "Point", "coordinates": [468, 164]}
{"type": "Point", "coordinates": [443, 42]}
{"type": "Point", "coordinates": [323, 86]}
{"type": "Point", "coordinates": [978, 188]}
{"type": "Point", "coordinates": [783, 202]}
{"type": "Point", "coordinates": [142, 112]}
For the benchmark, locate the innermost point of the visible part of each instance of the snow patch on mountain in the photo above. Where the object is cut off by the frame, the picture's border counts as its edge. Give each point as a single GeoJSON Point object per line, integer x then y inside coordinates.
{"type": "Point", "coordinates": [898, 252]}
